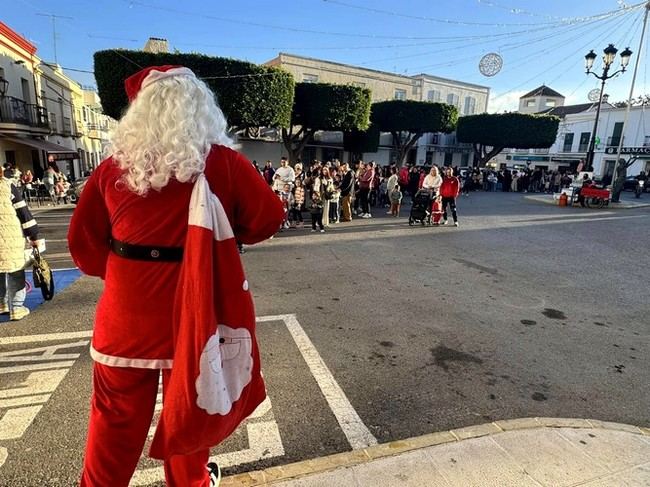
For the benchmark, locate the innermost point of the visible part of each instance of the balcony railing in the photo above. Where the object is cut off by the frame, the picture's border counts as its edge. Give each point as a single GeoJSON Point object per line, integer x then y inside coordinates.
{"type": "Point", "coordinates": [583, 147]}
{"type": "Point", "coordinates": [541, 151]}
{"type": "Point", "coordinates": [14, 110]}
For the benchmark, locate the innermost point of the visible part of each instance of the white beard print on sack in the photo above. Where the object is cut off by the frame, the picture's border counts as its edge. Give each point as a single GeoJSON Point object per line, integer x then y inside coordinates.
{"type": "Point", "coordinates": [225, 369]}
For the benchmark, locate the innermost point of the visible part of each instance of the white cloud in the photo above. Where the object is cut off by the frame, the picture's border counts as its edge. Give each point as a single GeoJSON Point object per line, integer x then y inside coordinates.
{"type": "Point", "coordinates": [509, 102]}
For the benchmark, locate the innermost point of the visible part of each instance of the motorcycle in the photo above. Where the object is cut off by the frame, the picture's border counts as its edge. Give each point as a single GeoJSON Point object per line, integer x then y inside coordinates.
{"type": "Point", "coordinates": [639, 188]}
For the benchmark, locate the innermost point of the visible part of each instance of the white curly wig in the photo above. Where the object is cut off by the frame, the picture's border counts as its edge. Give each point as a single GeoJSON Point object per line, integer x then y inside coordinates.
{"type": "Point", "coordinates": [167, 133]}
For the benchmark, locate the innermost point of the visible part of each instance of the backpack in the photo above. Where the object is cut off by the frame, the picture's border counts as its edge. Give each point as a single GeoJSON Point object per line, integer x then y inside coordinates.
{"type": "Point", "coordinates": [43, 276]}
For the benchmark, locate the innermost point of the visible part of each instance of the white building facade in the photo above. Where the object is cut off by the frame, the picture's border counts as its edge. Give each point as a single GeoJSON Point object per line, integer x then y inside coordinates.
{"type": "Point", "coordinates": [439, 149]}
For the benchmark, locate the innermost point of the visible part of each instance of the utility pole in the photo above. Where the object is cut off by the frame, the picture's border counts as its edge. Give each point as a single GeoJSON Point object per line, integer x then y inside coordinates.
{"type": "Point", "coordinates": [629, 101]}
{"type": "Point", "coordinates": [54, 17]}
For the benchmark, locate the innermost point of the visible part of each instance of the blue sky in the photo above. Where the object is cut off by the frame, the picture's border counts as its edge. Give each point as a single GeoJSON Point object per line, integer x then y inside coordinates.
{"type": "Point", "coordinates": [441, 37]}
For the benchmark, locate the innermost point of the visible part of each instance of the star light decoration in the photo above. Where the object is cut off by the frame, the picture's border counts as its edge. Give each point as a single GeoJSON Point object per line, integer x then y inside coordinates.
{"type": "Point", "coordinates": [594, 95]}
{"type": "Point", "coordinates": [490, 64]}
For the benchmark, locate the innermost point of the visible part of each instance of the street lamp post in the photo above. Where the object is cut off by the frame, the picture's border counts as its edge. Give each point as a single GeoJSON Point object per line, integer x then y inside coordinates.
{"type": "Point", "coordinates": [609, 56]}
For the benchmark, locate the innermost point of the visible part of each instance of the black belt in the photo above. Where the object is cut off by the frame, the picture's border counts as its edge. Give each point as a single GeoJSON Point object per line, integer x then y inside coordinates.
{"type": "Point", "coordinates": [143, 252]}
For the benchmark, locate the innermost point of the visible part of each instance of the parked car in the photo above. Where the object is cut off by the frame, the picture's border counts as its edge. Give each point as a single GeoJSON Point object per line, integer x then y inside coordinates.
{"type": "Point", "coordinates": [74, 192]}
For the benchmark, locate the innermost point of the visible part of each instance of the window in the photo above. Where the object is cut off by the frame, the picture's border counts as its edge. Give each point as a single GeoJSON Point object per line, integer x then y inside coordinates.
{"type": "Point", "coordinates": [470, 105]}
{"type": "Point", "coordinates": [646, 141]}
{"type": "Point", "coordinates": [584, 141]}
{"type": "Point", "coordinates": [449, 158]}
{"type": "Point", "coordinates": [616, 135]}
{"type": "Point", "coordinates": [400, 94]}
{"type": "Point", "coordinates": [429, 158]}
{"type": "Point", "coordinates": [27, 96]}
{"type": "Point", "coordinates": [309, 78]}
{"type": "Point", "coordinates": [53, 122]}
{"type": "Point", "coordinates": [464, 160]}
{"type": "Point", "coordinates": [531, 103]}
{"type": "Point", "coordinates": [453, 99]}
{"type": "Point", "coordinates": [551, 103]}
{"type": "Point", "coordinates": [433, 95]}
{"type": "Point", "coordinates": [568, 142]}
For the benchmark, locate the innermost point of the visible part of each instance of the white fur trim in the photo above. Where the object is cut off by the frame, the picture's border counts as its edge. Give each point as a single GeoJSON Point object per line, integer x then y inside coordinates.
{"type": "Point", "coordinates": [154, 75]}
{"type": "Point", "coordinates": [207, 211]}
{"type": "Point", "coordinates": [136, 363]}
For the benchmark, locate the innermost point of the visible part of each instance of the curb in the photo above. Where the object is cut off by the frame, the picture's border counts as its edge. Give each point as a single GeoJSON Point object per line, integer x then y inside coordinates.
{"type": "Point", "coordinates": [611, 206]}
{"type": "Point", "coordinates": [296, 470]}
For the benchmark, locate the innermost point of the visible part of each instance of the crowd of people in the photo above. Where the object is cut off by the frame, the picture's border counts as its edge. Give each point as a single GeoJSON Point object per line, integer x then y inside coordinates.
{"type": "Point", "coordinates": [334, 192]}
{"type": "Point", "coordinates": [53, 185]}
{"type": "Point", "coordinates": [536, 180]}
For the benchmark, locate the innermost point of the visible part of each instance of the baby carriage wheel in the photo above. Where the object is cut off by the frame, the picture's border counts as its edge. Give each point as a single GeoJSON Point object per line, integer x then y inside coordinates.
{"type": "Point", "coordinates": [411, 222]}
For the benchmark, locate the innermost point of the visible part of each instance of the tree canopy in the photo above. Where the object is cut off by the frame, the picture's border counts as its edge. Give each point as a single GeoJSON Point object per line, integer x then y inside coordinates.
{"type": "Point", "coordinates": [249, 95]}
{"type": "Point", "coordinates": [408, 120]}
{"type": "Point", "coordinates": [323, 106]}
{"type": "Point", "coordinates": [360, 141]}
{"type": "Point", "coordinates": [490, 133]}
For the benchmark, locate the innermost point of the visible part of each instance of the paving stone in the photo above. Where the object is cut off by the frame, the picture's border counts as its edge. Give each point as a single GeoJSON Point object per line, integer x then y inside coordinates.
{"type": "Point", "coordinates": [549, 458]}
{"type": "Point", "coordinates": [518, 424]}
{"type": "Point", "coordinates": [478, 462]}
{"type": "Point", "coordinates": [635, 477]}
{"type": "Point", "coordinates": [476, 431]}
{"type": "Point", "coordinates": [413, 469]}
{"type": "Point", "coordinates": [613, 449]}
{"type": "Point", "coordinates": [564, 422]}
{"type": "Point", "coordinates": [342, 477]}
{"type": "Point", "coordinates": [615, 426]}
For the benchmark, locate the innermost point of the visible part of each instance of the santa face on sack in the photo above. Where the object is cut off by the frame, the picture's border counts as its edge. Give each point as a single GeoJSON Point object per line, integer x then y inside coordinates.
{"type": "Point", "coordinates": [225, 369]}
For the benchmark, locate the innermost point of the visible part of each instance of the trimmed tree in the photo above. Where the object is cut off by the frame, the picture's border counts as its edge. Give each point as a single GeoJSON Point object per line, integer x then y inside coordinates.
{"type": "Point", "coordinates": [618, 179]}
{"type": "Point", "coordinates": [323, 106]}
{"type": "Point", "coordinates": [490, 133]}
{"type": "Point", "coordinates": [249, 95]}
{"type": "Point", "coordinates": [359, 141]}
{"type": "Point", "coordinates": [408, 120]}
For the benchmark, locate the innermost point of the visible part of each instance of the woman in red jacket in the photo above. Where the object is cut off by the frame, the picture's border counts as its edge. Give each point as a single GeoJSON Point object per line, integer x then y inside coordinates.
{"type": "Point", "coordinates": [130, 228]}
{"type": "Point", "coordinates": [449, 190]}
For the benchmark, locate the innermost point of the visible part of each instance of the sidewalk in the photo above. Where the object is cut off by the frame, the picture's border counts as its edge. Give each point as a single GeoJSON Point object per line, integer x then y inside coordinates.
{"type": "Point", "coordinates": [625, 204]}
{"type": "Point", "coordinates": [549, 452]}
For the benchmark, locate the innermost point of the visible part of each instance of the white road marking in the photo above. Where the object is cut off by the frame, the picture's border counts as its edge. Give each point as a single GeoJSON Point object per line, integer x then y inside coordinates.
{"type": "Point", "coordinates": [358, 435]}
{"type": "Point", "coordinates": [23, 401]}
{"type": "Point", "coordinates": [15, 422]}
{"type": "Point", "coordinates": [50, 337]}
{"type": "Point", "coordinates": [264, 441]}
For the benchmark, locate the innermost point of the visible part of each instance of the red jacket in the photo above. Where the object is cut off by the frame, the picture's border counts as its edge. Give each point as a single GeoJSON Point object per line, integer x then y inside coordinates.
{"type": "Point", "coordinates": [450, 187]}
{"type": "Point", "coordinates": [134, 319]}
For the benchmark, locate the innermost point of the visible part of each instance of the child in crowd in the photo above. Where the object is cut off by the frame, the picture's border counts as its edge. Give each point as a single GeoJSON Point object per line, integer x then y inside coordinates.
{"type": "Point", "coordinates": [287, 201]}
{"type": "Point", "coordinates": [334, 202]}
{"type": "Point", "coordinates": [295, 213]}
{"type": "Point", "coordinates": [395, 200]}
{"type": "Point", "coordinates": [316, 210]}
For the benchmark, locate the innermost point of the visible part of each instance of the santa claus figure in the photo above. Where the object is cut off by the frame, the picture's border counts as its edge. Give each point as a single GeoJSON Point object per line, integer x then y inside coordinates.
{"type": "Point", "coordinates": [159, 222]}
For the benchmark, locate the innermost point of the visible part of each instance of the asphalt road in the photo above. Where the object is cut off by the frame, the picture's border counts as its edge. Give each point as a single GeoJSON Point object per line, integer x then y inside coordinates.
{"type": "Point", "coordinates": [524, 310]}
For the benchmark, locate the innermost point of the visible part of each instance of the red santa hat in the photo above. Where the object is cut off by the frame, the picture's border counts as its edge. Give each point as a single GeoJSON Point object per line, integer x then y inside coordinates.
{"type": "Point", "coordinates": [143, 78]}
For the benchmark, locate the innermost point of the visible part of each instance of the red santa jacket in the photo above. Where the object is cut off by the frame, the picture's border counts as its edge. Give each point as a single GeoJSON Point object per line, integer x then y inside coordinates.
{"type": "Point", "coordinates": [134, 322]}
{"type": "Point", "coordinates": [450, 187]}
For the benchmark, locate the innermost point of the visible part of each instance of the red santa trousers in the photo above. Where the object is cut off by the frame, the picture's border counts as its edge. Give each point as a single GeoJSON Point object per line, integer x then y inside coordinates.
{"type": "Point", "coordinates": [120, 416]}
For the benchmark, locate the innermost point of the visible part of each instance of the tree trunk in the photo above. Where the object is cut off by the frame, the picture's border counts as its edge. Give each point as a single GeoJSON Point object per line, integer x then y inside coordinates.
{"type": "Point", "coordinates": [484, 155]}
{"type": "Point", "coordinates": [403, 146]}
{"type": "Point", "coordinates": [619, 178]}
{"type": "Point", "coordinates": [295, 143]}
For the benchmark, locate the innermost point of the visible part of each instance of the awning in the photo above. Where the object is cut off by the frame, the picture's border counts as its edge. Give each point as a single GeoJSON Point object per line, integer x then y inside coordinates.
{"type": "Point", "coordinates": [56, 151]}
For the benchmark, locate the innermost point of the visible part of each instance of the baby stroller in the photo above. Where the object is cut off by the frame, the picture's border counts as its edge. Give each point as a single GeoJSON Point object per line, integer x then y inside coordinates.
{"type": "Point", "coordinates": [421, 209]}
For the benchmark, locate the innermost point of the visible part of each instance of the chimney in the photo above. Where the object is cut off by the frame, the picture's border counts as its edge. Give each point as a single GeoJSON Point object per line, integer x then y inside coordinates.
{"type": "Point", "coordinates": [156, 45]}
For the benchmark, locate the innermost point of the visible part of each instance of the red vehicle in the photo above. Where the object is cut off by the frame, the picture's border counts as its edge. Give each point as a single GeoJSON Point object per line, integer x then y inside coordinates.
{"type": "Point", "coordinates": [595, 197]}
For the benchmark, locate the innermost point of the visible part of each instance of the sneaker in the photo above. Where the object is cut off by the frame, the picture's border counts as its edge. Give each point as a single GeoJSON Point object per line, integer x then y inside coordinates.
{"type": "Point", "coordinates": [322, 230]}
{"type": "Point", "coordinates": [455, 224]}
{"type": "Point", "coordinates": [366, 215]}
{"type": "Point", "coordinates": [313, 230]}
{"type": "Point", "coordinates": [19, 313]}
{"type": "Point", "coordinates": [4, 308]}
{"type": "Point", "coordinates": [215, 474]}
{"type": "Point", "coordinates": [445, 222]}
